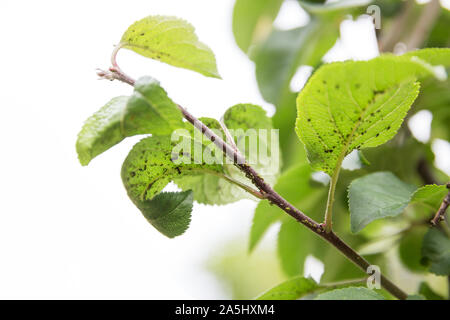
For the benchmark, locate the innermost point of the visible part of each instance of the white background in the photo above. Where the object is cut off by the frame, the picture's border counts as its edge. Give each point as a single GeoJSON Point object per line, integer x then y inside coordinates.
{"type": "Point", "coordinates": [68, 231]}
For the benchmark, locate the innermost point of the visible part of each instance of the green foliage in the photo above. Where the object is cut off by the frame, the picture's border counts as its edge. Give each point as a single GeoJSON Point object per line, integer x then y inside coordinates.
{"type": "Point", "coordinates": [152, 163]}
{"type": "Point", "coordinates": [291, 289]}
{"type": "Point", "coordinates": [436, 252]}
{"type": "Point", "coordinates": [430, 196]}
{"type": "Point", "coordinates": [377, 196]}
{"type": "Point", "coordinates": [153, 111]}
{"type": "Point", "coordinates": [148, 110]}
{"type": "Point", "coordinates": [155, 161]}
{"type": "Point", "coordinates": [170, 40]}
{"type": "Point", "coordinates": [344, 106]}
{"type": "Point", "coordinates": [428, 293]}
{"type": "Point", "coordinates": [245, 276]}
{"type": "Point", "coordinates": [291, 247]}
{"type": "Point", "coordinates": [299, 194]}
{"type": "Point", "coordinates": [351, 293]}
{"type": "Point", "coordinates": [401, 156]}
{"type": "Point", "coordinates": [101, 131]}
{"type": "Point", "coordinates": [278, 54]}
{"type": "Point", "coordinates": [415, 297]}
{"type": "Point", "coordinates": [433, 56]}
{"type": "Point", "coordinates": [354, 105]}
{"type": "Point", "coordinates": [410, 249]}
{"type": "Point", "coordinates": [149, 167]}
{"type": "Point", "coordinates": [252, 19]}
{"type": "Point", "coordinates": [246, 121]}
{"type": "Point", "coordinates": [322, 7]}
{"type": "Point", "coordinates": [439, 34]}
{"type": "Point", "coordinates": [212, 189]}
{"type": "Point", "coordinates": [168, 212]}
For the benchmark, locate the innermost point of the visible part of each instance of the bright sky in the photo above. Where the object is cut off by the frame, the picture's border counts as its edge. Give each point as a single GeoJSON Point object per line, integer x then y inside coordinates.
{"type": "Point", "coordinates": [68, 231]}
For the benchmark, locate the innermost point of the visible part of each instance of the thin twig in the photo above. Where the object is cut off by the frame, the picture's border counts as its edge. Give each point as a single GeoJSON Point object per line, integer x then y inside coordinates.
{"type": "Point", "coordinates": [423, 26]}
{"type": "Point", "coordinates": [396, 30]}
{"type": "Point", "coordinates": [243, 186]}
{"type": "Point", "coordinates": [268, 193]}
{"type": "Point", "coordinates": [228, 135]}
{"type": "Point", "coordinates": [440, 214]}
{"type": "Point", "coordinates": [425, 172]}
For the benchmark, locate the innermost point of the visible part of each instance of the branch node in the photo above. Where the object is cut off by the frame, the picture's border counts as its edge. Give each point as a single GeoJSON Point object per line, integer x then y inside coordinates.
{"type": "Point", "coordinates": [440, 214]}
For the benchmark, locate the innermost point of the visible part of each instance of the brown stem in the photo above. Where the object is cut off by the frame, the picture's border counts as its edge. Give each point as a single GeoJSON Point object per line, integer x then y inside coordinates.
{"type": "Point", "coordinates": [396, 30]}
{"type": "Point", "coordinates": [424, 24]}
{"type": "Point", "coordinates": [267, 191]}
{"type": "Point", "coordinates": [440, 214]}
{"type": "Point", "coordinates": [424, 170]}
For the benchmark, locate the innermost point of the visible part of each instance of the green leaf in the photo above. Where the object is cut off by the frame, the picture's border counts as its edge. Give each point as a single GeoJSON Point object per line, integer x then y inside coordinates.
{"type": "Point", "coordinates": [428, 293]}
{"type": "Point", "coordinates": [241, 274]}
{"type": "Point", "coordinates": [355, 105]}
{"type": "Point", "coordinates": [291, 289]}
{"type": "Point", "coordinates": [433, 56]}
{"type": "Point", "coordinates": [168, 212]}
{"type": "Point", "coordinates": [170, 40]}
{"type": "Point", "coordinates": [252, 19]}
{"type": "Point", "coordinates": [292, 250]}
{"type": "Point", "coordinates": [430, 196]}
{"type": "Point", "coordinates": [439, 35]}
{"type": "Point", "coordinates": [410, 249]}
{"type": "Point", "coordinates": [318, 7]}
{"type": "Point", "coordinates": [436, 252]}
{"type": "Point", "coordinates": [377, 196]}
{"type": "Point", "coordinates": [101, 131]}
{"type": "Point", "coordinates": [151, 110]}
{"type": "Point", "coordinates": [351, 293]}
{"type": "Point", "coordinates": [148, 110]}
{"type": "Point", "coordinates": [415, 297]}
{"type": "Point", "coordinates": [149, 167]}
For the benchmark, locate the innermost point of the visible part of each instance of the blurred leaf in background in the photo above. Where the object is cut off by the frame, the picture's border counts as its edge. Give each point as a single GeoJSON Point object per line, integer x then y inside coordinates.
{"type": "Point", "coordinates": [245, 276]}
